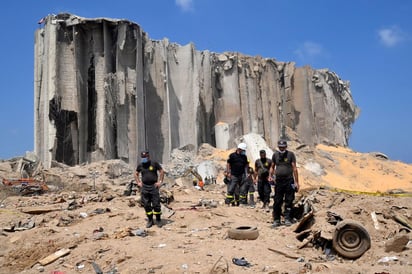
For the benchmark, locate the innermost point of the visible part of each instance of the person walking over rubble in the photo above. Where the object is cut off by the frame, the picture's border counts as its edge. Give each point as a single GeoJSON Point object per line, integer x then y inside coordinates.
{"type": "Point", "coordinates": [236, 170]}
{"type": "Point", "coordinates": [262, 167]}
{"type": "Point", "coordinates": [149, 177]}
{"type": "Point", "coordinates": [250, 182]}
{"type": "Point", "coordinates": [226, 180]}
{"type": "Point", "coordinates": [286, 182]}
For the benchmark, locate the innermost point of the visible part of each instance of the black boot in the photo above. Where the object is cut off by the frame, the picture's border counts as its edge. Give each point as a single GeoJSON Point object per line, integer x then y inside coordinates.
{"type": "Point", "coordinates": [288, 219]}
{"type": "Point", "coordinates": [251, 201]}
{"type": "Point", "coordinates": [158, 221]}
{"type": "Point", "coordinates": [149, 221]}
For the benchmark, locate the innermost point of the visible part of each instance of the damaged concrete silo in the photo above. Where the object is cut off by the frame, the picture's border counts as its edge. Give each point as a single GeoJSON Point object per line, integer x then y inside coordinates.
{"type": "Point", "coordinates": [105, 90]}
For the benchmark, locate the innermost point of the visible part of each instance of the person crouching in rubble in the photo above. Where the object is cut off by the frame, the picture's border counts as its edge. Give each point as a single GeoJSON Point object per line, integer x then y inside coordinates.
{"type": "Point", "coordinates": [236, 169]}
{"type": "Point", "coordinates": [286, 182]}
{"type": "Point", "coordinates": [149, 177]}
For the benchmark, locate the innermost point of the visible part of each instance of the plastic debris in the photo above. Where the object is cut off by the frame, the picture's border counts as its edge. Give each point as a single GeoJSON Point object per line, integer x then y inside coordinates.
{"type": "Point", "coordinates": [387, 259]}
{"type": "Point", "coordinates": [241, 262]}
{"type": "Point", "coordinates": [140, 232]}
{"type": "Point", "coordinates": [300, 260]}
{"type": "Point", "coordinates": [97, 268]}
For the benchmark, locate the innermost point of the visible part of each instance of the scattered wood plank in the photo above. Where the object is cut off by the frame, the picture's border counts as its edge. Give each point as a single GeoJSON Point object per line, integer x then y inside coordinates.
{"type": "Point", "coordinates": [219, 214]}
{"type": "Point", "coordinates": [402, 221]}
{"type": "Point", "coordinates": [332, 203]}
{"type": "Point", "coordinates": [375, 220]}
{"type": "Point", "coordinates": [304, 234]}
{"type": "Point", "coordinates": [305, 222]}
{"type": "Point", "coordinates": [306, 242]}
{"type": "Point", "coordinates": [39, 210]}
{"type": "Point", "coordinates": [51, 258]}
{"type": "Point", "coordinates": [218, 269]}
{"type": "Point", "coordinates": [284, 254]}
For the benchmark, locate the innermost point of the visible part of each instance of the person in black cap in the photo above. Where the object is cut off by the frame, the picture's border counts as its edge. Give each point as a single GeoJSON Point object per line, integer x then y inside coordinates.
{"type": "Point", "coordinates": [262, 167]}
{"type": "Point", "coordinates": [149, 177]}
{"type": "Point", "coordinates": [286, 182]}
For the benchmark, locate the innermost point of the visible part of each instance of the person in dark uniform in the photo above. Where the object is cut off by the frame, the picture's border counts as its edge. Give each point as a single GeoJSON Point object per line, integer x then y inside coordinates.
{"type": "Point", "coordinates": [236, 169]}
{"type": "Point", "coordinates": [235, 200]}
{"type": "Point", "coordinates": [149, 177]}
{"type": "Point", "coordinates": [286, 182]}
{"type": "Point", "coordinates": [250, 182]}
{"type": "Point", "coordinates": [262, 167]}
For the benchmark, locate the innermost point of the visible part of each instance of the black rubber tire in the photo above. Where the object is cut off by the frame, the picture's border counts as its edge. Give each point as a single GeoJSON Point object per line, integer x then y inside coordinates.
{"type": "Point", "coordinates": [351, 239]}
{"type": "Point", "coordinates": [243, 233]}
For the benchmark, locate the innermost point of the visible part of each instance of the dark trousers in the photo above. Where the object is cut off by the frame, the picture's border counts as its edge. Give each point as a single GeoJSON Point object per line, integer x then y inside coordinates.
{"type": "Point", "coordinates": [243, 191]}
{"type": "Point", "coordinates": [284, 192]}
{"type": "Point", "coordinates": [250, 188]}
{"type": "Point", "coordinates": [264, 190]}
{"type": "Point", "coordinates": [151, 200]}
{"type": "Point", "coordinates": [236, 183]}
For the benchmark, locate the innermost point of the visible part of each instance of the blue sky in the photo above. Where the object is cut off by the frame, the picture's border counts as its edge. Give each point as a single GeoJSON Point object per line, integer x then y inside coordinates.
{"type": "Point", "coordinates": [368, 43]}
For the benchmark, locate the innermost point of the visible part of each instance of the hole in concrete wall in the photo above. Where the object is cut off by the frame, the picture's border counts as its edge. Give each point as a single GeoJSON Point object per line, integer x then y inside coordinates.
{"type": "Point", "coordinates": [206, 123]}
{"type": "Point", "coordinates": [65, 121]}
{"type": "Point", "coordinates": [217, 84]}
{"type": "Point", "coordinates": [65, 35]}
{"type": "Point", "coordinates": [282, 79]}
{"type": "Point", "coordinates": [91, 106]}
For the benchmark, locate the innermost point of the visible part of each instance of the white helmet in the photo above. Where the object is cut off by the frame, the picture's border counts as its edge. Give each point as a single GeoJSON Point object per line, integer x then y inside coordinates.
{"type": "Point", "coordinates": [242, 146]}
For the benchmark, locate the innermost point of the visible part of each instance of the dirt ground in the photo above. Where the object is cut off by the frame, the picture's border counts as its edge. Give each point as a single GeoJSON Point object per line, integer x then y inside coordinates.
{"type": "Point", "coordinates": [103, 231]}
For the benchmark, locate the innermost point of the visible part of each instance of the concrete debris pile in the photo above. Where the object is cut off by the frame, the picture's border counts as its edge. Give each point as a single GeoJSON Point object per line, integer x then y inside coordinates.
{"type": "Point", "coordinates": [86, 222]}
{"type": "Point", "coordinates": [25, 175]}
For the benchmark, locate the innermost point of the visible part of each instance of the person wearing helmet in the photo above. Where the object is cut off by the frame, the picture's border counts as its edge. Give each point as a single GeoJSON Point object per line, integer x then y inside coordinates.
{"type": "Point", "coordinates": [149, 177]}
{"type": "Point", "coordinates": [286, 182]}
{"type": "Point", "coordinates": [236, 170]}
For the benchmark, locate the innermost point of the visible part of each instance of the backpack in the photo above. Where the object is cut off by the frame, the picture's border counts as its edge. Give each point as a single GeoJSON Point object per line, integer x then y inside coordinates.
{"type": "Point", "coordinates": [263, 171]}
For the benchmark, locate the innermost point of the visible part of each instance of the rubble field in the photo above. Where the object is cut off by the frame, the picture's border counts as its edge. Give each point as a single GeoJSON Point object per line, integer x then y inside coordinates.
{"type": "Point", "coordinates": [85, 223]}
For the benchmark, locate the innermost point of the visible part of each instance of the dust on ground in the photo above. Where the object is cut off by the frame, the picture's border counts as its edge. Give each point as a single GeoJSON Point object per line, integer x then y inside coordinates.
{"type": "Point", "coordinates": [87, 213]}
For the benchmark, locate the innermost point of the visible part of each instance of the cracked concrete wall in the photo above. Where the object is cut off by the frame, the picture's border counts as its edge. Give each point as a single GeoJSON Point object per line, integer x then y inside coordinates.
{"type": "Point", "coordinates": [105, 90]}
{"type": "Point", "coordinates": [89, 91]}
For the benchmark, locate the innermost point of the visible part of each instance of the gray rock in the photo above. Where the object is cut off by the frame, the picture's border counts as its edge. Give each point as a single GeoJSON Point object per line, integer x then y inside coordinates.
{"type": "Point", "coordinates": [397, 243]}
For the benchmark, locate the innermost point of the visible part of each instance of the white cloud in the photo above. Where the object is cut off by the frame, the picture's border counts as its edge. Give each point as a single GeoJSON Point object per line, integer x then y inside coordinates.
{"type": "Point", "coordinates": [309, 50]}
{"type": "Point", "coordinates": [185, 5]}
{"type": "Point", "coordinates": [391, 37]}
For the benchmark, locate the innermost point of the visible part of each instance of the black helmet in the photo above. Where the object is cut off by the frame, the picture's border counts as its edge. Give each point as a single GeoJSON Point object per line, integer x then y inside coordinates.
{"type": "Point", "coordinates": [282, 143]}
